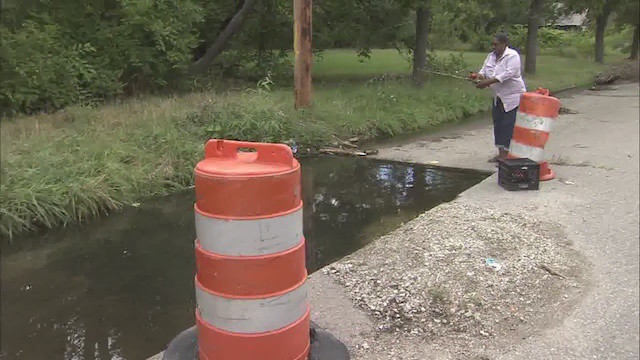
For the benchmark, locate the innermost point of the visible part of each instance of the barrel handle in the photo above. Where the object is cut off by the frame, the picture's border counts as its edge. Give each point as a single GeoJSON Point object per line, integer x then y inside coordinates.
{"type": "Point", "coordinates": [266, 153]}
{"type": "Point", "coordinates": [542, 91]}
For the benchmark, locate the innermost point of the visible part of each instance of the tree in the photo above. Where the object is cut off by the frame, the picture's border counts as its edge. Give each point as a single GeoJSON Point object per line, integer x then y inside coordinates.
{"type": "Point", "coordinates": [420, 41]}
{"type": "Point", "coordinates": [629, 14]}
{"type": "Point", "coordinates": [234, 25]}
{"type": "Point", "coordinates": [535, 13]}
{"type": "Point", "coordinates": [634, 45]}
{"type": "Point", "coordinates": [598, 10]}
{"type": "Point", "coordinates": [423, 16]}
{"type": "Point", "coordinates": [475, 22]}
{"type": "Point", "coordinates": [360, 24]}
{"type": "Point", "coordinates": [601, 25]}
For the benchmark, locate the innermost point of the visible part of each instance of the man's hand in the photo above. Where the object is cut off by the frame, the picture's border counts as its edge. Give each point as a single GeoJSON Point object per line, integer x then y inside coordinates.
{"type": "Point", "coordinates": [486, 83]}
{"type": "Point", "coordinates": [475, 77]}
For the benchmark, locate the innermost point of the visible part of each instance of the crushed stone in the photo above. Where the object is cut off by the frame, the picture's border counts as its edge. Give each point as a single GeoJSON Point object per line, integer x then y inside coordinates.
{"type": "Point", "coordinates": [460, 272]}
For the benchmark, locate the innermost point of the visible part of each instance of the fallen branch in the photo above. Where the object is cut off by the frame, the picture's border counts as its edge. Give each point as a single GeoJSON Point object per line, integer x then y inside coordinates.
{"type": "Point", "coordinates": [338, 151]}
{"type": "Point", "coordinates": [551, 271]}
{"type": "Point", "coordinates": [345, 143]}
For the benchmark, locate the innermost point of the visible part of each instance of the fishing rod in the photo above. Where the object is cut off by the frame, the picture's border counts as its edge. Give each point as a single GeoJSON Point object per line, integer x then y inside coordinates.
{"type": "Point", "coordinates": [450, 75]}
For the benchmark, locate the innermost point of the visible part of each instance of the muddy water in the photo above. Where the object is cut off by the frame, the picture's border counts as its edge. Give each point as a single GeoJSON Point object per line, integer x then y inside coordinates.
{"type": "Point", "coordinates": [121, 288]}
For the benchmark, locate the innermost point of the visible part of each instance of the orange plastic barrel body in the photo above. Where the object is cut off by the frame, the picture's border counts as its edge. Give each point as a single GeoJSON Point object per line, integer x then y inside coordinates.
{"type": "Point", "coordinates": [536, 116]}
{"type": "Point", "coordinates": [250, 254]}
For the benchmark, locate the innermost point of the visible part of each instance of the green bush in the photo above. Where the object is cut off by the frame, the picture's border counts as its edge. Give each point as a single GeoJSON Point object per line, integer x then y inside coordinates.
{"type": "Point", "coordinates": [571, 44]}
{"type": "Point", "coordinates": [41, 71]}
{"type": "Point", "coordinates": [453, 63]}
{"type": "Point", "coordinates": [549, 39]}
{"type": "Point", "coordinates": [68, 52]}
{"type": "Point", "coordinates": [480, 42]}
{"type": "Point", "coordinates": [619, 39]}
{"type": "Point", "coordinates": [154, 41]}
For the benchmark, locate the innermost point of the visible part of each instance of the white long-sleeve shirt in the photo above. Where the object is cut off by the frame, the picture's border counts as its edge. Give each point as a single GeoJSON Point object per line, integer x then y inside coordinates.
{"type": "Point", "coordinates": [506, 70]}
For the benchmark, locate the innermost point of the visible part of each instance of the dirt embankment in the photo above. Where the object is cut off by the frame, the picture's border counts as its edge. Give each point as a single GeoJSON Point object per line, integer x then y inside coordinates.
{"type": "Point", "coordinates": [625, 71]}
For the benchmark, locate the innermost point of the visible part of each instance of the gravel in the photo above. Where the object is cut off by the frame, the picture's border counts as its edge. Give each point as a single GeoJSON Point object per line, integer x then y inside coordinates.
{"type": "Point", "coordinates": [461, 272]}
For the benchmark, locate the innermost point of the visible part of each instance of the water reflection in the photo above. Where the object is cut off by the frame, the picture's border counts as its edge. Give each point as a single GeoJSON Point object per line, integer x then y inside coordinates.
{"type": "Point", "coordinates": [355, 200]}
{"type": "Point", "coordinates": [121, 287]}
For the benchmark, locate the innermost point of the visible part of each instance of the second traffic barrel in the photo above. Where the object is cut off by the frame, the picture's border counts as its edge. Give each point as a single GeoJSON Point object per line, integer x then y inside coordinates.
{"type": "Point", "coordinates": [250, 254]}
{"type": "Point", "coordinates": [536, 115]}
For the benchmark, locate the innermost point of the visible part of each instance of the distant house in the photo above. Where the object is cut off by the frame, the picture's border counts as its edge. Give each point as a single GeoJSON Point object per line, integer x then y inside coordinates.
{"type": "Point", "coordinates": [570, 22]}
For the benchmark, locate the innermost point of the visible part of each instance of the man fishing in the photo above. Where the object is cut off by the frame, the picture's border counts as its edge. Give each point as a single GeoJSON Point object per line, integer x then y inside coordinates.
{"type": "Point", "coordinates": [501, 72]}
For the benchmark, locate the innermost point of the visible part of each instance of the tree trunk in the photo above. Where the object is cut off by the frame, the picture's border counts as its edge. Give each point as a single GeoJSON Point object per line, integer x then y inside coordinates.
{"type": "Point", "coordinates": [203, 64]}
{"type": "Point", "coordinates": [601, 25]}
{"type": "Point", "coordinates": [535, 11]}
{"type": "Point", "coordinates": [634, 45]}
{"type": "Point", "coordinates": [420, 51]}
{"type": "Point", "coordinates": [262, 33]}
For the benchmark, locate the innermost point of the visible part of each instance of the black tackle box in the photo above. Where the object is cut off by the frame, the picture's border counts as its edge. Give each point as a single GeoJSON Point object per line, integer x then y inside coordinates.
{"type": "Point", "coordinates": [518, 174]}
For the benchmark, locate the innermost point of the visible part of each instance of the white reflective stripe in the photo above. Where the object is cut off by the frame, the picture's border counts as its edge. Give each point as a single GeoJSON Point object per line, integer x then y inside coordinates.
{"type": "Point", "coordinates": [251, 316]}
{"type": "Point", "coordinates": [249, 237]}
{"type": "Point", "coordinates": [526, 151]}
{"type": "Point", "coordinates": [527, 121]}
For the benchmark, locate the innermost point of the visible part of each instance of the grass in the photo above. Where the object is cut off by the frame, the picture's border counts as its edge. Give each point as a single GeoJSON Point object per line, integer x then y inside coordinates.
{"type": "Point", "coordinates": [341, 64]}
{"type": "Point", "coordinates": [557, 73]}
{"type": "Point", "coordinates": [82, 162]}
{"type": "Point", "coordinates": [554, 72]}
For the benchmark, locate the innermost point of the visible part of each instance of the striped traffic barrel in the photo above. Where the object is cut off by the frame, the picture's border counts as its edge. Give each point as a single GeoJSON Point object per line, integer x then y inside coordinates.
{"type": "Point", "coordinates": [250, 278]}
{"type": "Point", "coordinates": [536, 115]}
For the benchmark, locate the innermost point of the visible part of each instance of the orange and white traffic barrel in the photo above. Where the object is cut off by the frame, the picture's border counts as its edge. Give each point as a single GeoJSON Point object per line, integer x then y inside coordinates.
{"type": "Point", "coordinates": [250, 282]}
{"type": "Point", "coordinates": [250, 254]}
{"type": "Point", "coordinates": [536, 116]}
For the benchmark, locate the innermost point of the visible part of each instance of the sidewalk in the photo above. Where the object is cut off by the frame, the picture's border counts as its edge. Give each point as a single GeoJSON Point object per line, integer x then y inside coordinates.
{"type": "Point", "coordinates": [595, 204]}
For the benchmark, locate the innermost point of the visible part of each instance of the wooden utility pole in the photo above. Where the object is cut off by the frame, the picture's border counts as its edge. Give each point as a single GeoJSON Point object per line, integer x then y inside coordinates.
{"type": "Point", "coordinates": [302, 34]}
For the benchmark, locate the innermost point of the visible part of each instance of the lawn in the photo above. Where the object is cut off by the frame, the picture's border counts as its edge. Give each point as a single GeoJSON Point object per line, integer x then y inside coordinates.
{"type": "Point", "coordinates": [83, 162]}
{"type": "Point", "coordinates": [554, 72]}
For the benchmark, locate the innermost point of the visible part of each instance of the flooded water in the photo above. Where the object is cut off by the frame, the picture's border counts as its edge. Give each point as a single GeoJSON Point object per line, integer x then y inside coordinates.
{"type": "Point", "coordinates": [121, 287]}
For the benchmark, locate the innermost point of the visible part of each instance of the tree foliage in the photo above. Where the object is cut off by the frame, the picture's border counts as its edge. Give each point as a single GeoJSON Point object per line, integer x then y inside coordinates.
{"type": "Point", "coordinates": [57, 53]}
{"type": "Point", "coordinates": [598, 12]}
{"type": "Point", "coordinates": [60, 52]}
{"type": "Point", "coordinates": [628, 14]}
{"type": "Point", "coordinates": [474, 22]}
